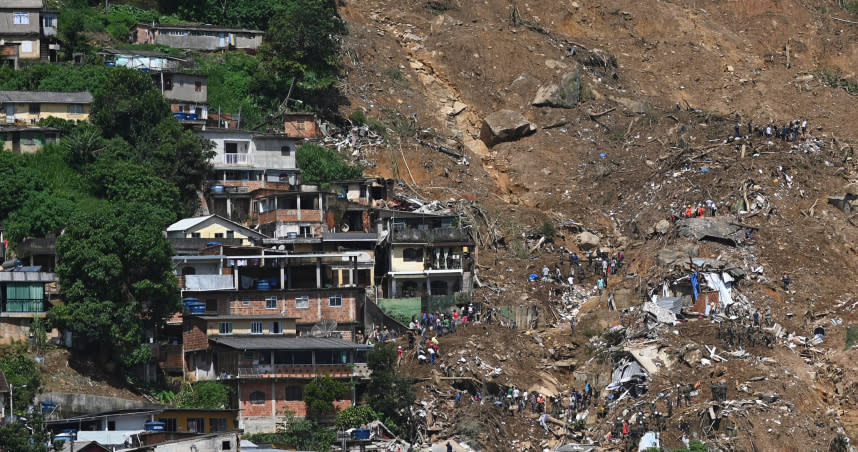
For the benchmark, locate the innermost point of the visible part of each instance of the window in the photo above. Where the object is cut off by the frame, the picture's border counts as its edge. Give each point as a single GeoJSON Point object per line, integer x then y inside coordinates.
{"type": "Point", "coordinates": [225, 327]}
{"type": "Point", "coordinates": [196, 235]}
{"type": "Point", "coordinates": [271, 303]}
{"type": "Point", "coordinates": [224, 445]}
{"type": "Point", "coordinates": [21, 19]}
{"type": "Point", "coordinates": [111, 426]}
{"type": "Point", "coordinates": [255, 327]}
{"type": "Point", "coordinates": [285, 151]}
{"type": "Point", "coordinates": [198, 86]}
{"type": "Point", "coordinates": [335, 301]}
{"type": "Point", "coordinates": [35, 109]}
{"type": "Point", "coordinates": [211, 305]}
{"type": "Point", "coordinates": [276, 328]}
{"type": "Point", "coordinates": [75, 109]}
{"type": "Point", "coordinates": [412, 255]}
{"type": "Point", "coordinates": [294, 392]}
{"type": "Point", "coordinates": [230, 234]}
{"type": "Point", "coordinates": [302, 302]}
{"type": "Point", "coordinates": [196, 425]}
{"type": "Point", "coordinates": [168, 84]}
{"type": "Point", "coordinates": [257, 398]}
{"type": "Point", "coordinates": [218, 235]}
{"type": "Point", "coordinates": [169, 423]}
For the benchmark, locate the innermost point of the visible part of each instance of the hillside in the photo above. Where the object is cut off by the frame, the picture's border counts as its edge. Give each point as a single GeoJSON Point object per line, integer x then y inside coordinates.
{"type": "Point", "coordinates": [663, 83]}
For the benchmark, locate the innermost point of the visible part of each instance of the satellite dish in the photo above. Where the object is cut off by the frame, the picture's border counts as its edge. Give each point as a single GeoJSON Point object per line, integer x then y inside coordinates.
{"type": "Point", "coordinates": [325, 328]}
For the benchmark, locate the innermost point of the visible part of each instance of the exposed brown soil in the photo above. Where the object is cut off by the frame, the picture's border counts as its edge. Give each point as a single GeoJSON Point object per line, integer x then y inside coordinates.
{"type": "Point", "coordinates": [695, 66]}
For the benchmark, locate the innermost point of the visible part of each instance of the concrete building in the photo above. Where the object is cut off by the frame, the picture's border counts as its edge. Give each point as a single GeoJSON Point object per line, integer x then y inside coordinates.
{"type": "Point", "coordinates": [196, 37]}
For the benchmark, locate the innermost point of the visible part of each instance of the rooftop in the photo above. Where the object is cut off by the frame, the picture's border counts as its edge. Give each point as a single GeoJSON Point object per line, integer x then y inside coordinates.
{"type": "Point", "coordinates": [199, 27]}
{"type": "Point", "coordinates": [285, 343]}
{"type": "Point", "coordinates": [59, 97]}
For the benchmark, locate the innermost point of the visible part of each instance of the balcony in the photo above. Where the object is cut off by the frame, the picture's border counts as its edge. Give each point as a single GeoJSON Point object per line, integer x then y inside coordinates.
{"type": "Point", "coordinates": [436, 235]}
{"type": "Point", "coordinates": [25, 305]}
{"type": "Point", "coordinates": [304, 370]}
{"type": "Point", "coordinates": [236, 159]}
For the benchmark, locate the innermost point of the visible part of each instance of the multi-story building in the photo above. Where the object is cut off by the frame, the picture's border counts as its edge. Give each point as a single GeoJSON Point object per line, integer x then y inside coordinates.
{"type": "Point", "coordinates": [20, 29]}
{"type": "Point", "coordinates": [267, 323]}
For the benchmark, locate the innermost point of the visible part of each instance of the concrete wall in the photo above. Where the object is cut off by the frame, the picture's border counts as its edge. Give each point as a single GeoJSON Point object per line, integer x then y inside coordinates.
{"type": "Point", "coordinates": [73, 404]}
{"type": "Point", "coordinates": [398, 262]}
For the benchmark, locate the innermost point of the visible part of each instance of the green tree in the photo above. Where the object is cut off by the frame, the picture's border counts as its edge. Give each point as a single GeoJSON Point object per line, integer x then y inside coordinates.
{"type": "Point", "coordinates": [17, 182]}
{"type": "Point", "coordinates": [124, 181]}
{"type": "Point", "coordinates": [320, 165]}
{"type": "Point", "coordinates": [41, 214]}
{"type": "Point", "coordinates": [387, 392]}
{"type": "Point", "coordinates": [205, 394]}
{"type": "Point", "coordinates": [320, 394]}
{"type": "Point", "coordinates": [253, 14]}
{"type": "Point", "coordinates": [355, 416]}
{"type": "Point", "coordinates": [116, 271]}
{"type": "Point", "coordinates": [21, 372]}
{"type": "Point", "coordinates": [15, 437]}
{"type": "Point", "coordinates": [303, 42]}
{"type": "Point", "coordinates": [301, 433]}
{"type": "Point", "coordinates": [129, 106]}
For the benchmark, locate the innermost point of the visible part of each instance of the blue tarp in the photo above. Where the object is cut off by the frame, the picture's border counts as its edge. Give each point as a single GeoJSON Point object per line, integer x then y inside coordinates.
{"type": "Point", "coordinates": [694, 284]}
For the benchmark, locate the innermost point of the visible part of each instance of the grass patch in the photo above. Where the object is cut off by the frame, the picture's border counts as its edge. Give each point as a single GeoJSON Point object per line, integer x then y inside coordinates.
{"type": "Point", "coordinates": [834, 78]}
{"type": "Point", "coordinates": [851, 337]}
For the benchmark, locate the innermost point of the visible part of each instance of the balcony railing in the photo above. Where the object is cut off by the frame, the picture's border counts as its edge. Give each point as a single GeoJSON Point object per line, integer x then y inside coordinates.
{"type": "Point", "coordinates": [303, 370]}
{"type": "Point", "coordinates": [236, 159]}
{"type": "Point", "coordinates": [25, 305]}
{"type": "Point", "coordinates": [437, 235]}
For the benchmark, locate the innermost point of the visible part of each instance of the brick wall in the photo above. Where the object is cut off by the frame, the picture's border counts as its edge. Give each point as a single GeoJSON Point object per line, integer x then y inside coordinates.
{"type": "Point", "coordinates": [276, 398]}
{"type": "Point", "coordinates": [194, 335]}
{"type": "Point", "coordinates": [249, 409]}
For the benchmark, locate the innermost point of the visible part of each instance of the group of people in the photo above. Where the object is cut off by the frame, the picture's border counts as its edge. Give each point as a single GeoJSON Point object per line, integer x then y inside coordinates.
{"type": "Point", "coordinates": [791, 131]}
{"type": "Point", "coordinates": [377, 335]}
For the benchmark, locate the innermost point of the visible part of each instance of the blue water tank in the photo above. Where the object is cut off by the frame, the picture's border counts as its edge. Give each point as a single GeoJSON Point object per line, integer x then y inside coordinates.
{"type": "Point", "coordinates": [214, 244]}
{"type": "Point", "coordinates": [218, 188]}
{"type": "Point", "coordinates": [360, 433]}
{"type": "Point", "coordinates": [263, 284]}
{"type": "Point", "coordinates": [48, 406]}
{"type": "Point", "coordinates": [153, 426]}
{"type": "Point", "coordinates": [194, 305]}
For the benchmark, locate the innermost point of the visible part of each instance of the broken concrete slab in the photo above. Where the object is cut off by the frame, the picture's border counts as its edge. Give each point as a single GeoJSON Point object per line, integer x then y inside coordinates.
{"type": "Point", "coordinates": [505, 125]}
{"type": "Point", "coordinates": [671, 256]}
{"type": "Point", "coordinates": [718, 229]}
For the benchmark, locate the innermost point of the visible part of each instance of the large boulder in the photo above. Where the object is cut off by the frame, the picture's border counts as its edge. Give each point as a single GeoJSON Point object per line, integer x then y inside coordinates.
{"type": "Point", "coordinates": [587, 240]}
{"type": "Point", "coordinates": [565, 95]}
{"type": "Point", "coordinates": [505, 125]}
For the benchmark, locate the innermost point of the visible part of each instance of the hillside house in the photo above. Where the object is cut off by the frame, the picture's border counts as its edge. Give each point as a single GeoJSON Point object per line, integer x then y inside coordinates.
{"type": "Point", "coordinates": [27, 140]}
{"type": "Point", "coordinates": [24, 295]}
{"type": "Point", "coordinates": [301, 125]}
{"type": "Point", "coordinates": [196, 37]}
{"type": "Point", "coordinates": [246, 161]}
{"type": "Point", "coordinates": [28, 107]}
{"type": "Point", "coordinates": [143, 60]}
{"type": "Point", "coordinates": [270, 372]}
{"type": "Point", "coordinates": [20, 30]}
{"type": "Point", "coordinates": [189, 235]}
{"type": "Point", "coordinates": [187, 95]}
{"type": "Point", "coordinates": [197, 420]}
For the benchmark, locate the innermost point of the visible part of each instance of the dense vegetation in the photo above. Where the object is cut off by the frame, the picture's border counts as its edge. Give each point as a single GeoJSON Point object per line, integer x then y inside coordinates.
{"type": "Point", "coordinates": [299, 57]}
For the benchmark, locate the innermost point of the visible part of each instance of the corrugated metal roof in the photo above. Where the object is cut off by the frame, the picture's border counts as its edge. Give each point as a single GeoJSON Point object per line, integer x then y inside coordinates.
{"type": "Point", "coordinates": [187, 223]}
{"type": "Point", "coordinates": [59, 97]}
{"type": "Point", "coordinates": [285, 343]}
